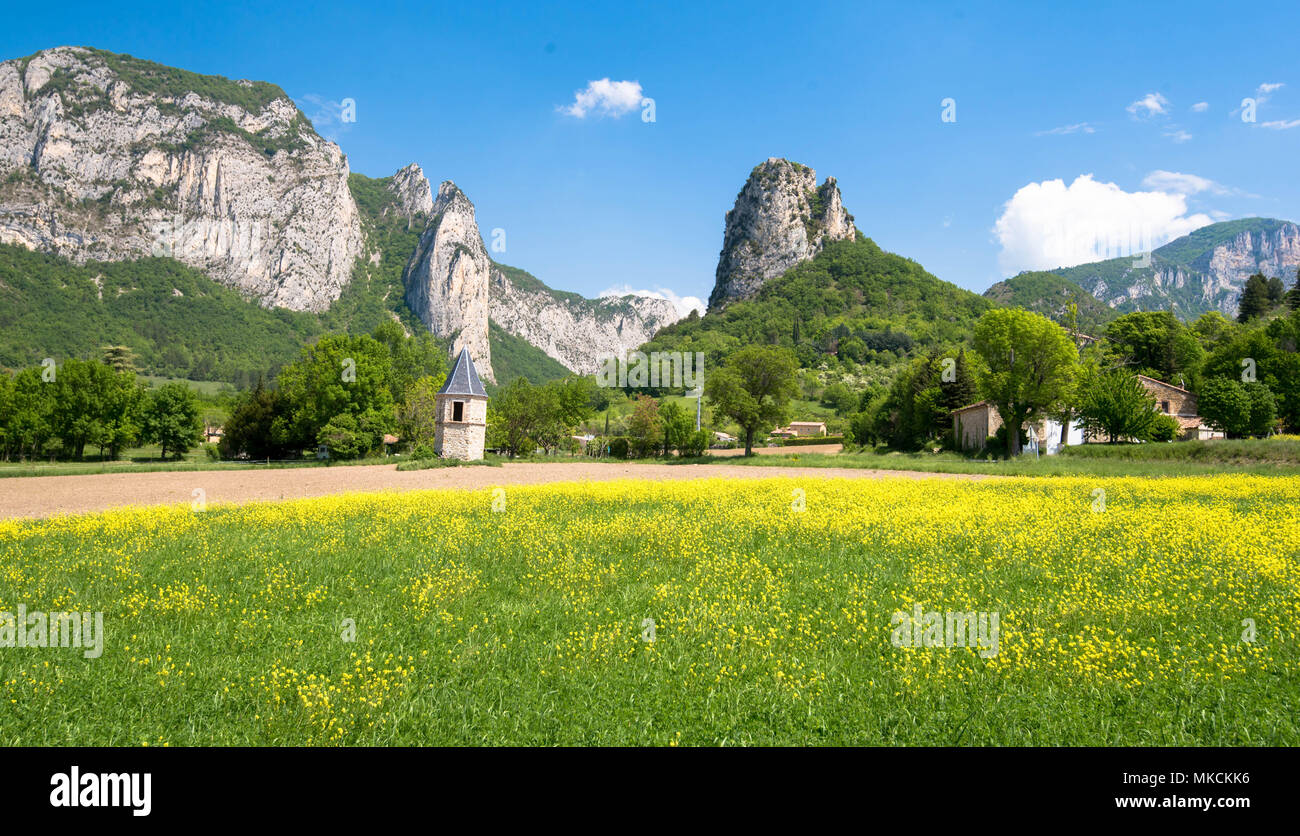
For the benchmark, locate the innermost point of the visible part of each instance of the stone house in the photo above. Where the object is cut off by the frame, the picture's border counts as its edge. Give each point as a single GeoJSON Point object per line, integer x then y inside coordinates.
{"type": "Point", "coordinates": [800, 429]}
{"type": "Point", "coordinates": [460, 422]}
{"type": "Point", "coordinates": [1181, 404]}
{"type": "Point", "coordinates": [973, 424]}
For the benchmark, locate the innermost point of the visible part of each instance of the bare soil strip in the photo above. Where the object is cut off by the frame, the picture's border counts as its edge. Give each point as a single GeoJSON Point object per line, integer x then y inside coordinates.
{"type": "Point", "coordinates": [46, 496]}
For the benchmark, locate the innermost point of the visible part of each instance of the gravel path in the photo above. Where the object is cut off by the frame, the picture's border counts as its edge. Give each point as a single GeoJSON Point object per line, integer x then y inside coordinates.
{"type": "Point", "coordinates": [45, 496]}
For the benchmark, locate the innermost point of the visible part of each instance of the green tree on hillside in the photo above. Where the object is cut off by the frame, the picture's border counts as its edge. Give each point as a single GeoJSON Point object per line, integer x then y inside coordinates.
{"type": "Point", "coordinates": [1293, 296]}
{"type": "Point", "coordinates": [754, 389]}
{"type": "Point", "coordinates": [1029, 366]}
{"type": "Point", "coordinates": [1254, 300]}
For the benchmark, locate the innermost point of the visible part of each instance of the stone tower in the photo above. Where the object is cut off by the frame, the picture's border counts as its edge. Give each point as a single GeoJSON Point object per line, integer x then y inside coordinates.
{"type": "Point", "coordinates": [461, 423]}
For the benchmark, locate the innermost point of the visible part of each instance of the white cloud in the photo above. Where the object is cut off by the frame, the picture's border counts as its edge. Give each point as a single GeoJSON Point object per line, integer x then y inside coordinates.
{"type": "Point", "coordinates": [1263, 91]}
{"type": "Point", "coordinates": [605, 97]}
{"type": "Point", "coordinates": [1179, 135]}
{"type": "Point", "coordinates": [1282, 125]}
{"type": "Point", "coordinates": [1049, 224]}
{"type": "Point", "coordinates": [1149, 105]}
{"type": "Point", "coordinates": [1179, 183]}
{"type": "Point", "coordinates": [684, 304]}
{"type": "Point", "coordinates": [1200, 107]}
{"type": "Point", "coordinates": [1064, 130]}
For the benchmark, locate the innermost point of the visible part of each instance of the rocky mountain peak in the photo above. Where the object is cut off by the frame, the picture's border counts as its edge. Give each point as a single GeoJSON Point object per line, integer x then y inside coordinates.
{"type": "Point", "coordinates": [448, 274]}
{"type": "Point", "coordinates": [412, 190]}
{"type": "Point", "coordinates": [781, 217]}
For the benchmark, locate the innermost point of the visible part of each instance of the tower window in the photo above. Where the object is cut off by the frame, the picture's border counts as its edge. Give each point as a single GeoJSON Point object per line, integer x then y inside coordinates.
{"type": "Point", "coordinates": [1164, 407]}
{"type": "Point", "coordinates": [458, 410]}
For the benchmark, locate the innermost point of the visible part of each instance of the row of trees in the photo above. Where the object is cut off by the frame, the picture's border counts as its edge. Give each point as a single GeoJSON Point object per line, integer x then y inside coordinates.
{"type": "Point", "coordinates": [63, 410]}
{"type": "Point", "coordinates": [1246, 377]}
{"type": "Point", "coordinates": [345, 393]}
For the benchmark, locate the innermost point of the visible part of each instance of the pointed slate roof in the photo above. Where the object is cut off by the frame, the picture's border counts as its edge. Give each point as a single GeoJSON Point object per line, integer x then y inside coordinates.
{"type": "Point", "coordinates": [463, 379]}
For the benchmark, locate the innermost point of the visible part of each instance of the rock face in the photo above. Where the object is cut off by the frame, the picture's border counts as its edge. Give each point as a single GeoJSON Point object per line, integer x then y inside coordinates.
{"type": "Point", "coordinates": [570, 328]}
{"type": "Point", "coordinates": [109, 157]}
{"type": "Point", "coordinates": [447, 277]}
{"type": "Point", "coordinates": [1203, 271]}
{"type": "Point", "coordinates": [454, 288]}
{"type": "Point", "coordinates": [412, 190]}
{"type": "Point", "coordinates": [781, 217]}
{"type": "Point", "coordinates": [105, 156]}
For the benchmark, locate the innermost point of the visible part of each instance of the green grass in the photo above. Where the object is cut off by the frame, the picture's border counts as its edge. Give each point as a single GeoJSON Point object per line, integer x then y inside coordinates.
{"type": "Point", "coordinates": [140, 463]}
{"type": "Point", "coordinates": [527, 626]}
{"type": "Point", "coordinates": [1086, 464]}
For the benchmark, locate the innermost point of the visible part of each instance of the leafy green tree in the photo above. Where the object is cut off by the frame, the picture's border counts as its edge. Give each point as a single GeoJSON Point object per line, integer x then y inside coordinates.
{"type": "Point", "coordinates": [1156, 344]}
{"type": "Point", "coordinates": [754, 389]}
{"type": "Point", "coordinates": [119, 424]}
{"type": "Point", "coordinates": [255, 425]}
{"type": "Point", "coordinates": [1029, 364]}
{"type": "Point", "coordinates": [411, 358]}
{"type": "Point", "coordinates": [1293, 296]}
{"type": "Point", "coordinates": [522, 416]}
{"type": "Point", "coordinates": [1165, 428]}
{"type": "Point", "coordinates": [92, 403]}
{"type": "Point", "coordinates": [1114, 403]}
{"type": "Point", "coordinates": [1225, 405]}
{"type": "Point", "coordinates": [338, 374]}
{"type": "Point", "coordinates": [678, 426]}
{"type": "Point", "coordinates": [28, 421]}
{"type": "Point", "coordinates": [1254, 301]}
{"type": "Point", "coordinates": [1263, 409]}
{"type": "Point", "coordinates": [417, 413]}
{"type": "Point", "coordinates": [644, 425]}
{"type": "Point", "coordinates": [839, 397]}
{"type": "Point", "coordinates": [170, 419]}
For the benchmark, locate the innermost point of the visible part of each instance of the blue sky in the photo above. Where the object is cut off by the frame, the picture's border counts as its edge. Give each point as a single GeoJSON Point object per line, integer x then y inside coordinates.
{"type": "Point", "coordinates": [1145, 98]}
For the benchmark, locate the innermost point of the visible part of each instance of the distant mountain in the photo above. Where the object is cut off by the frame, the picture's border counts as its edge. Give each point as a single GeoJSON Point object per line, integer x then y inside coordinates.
{"type": "Point", "coordinates": [1203, 271]}
{"type": "Point", "coordinates": [1050, 295]}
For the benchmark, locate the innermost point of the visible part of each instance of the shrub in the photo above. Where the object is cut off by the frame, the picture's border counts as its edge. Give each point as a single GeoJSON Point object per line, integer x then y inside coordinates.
{"type": "Point", "coordinates": [214, 454]}
{"type": "Point", "coordinates": [820, 439]}
{"type": "Point", "coordinates": [696, 443]}
{"type": "Point", "coordinates": [1164, 428]}
{"type": "Point", "coordinates": [618, 447]}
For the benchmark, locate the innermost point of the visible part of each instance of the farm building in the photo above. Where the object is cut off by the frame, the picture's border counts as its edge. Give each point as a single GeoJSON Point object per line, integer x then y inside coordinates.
{"type": "Point", "coordinates": [973, 424]}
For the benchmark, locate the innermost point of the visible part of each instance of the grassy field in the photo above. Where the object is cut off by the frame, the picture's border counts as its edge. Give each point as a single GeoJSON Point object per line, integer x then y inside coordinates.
{"type": "Point", "coordinates": [1121, 616]}
{"type": "Point", "coordinates": [1264, 457]}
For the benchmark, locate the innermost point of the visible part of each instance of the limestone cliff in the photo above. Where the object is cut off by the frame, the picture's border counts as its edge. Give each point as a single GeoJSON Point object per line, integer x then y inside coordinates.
{"type": "Point", "coordinates": [570, 328]}
{"type": "Point", "coordinates": [781, 217]}
{"type": "Point", "coordinates": [105, 156]}
{"type": "Point", "coordinates": [447, 277]}
{"type": "Point", "coordinates": [1203, 271]}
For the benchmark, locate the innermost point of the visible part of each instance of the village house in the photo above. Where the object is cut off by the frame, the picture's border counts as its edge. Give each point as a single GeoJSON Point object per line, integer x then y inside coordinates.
{"type": "Point", "coordinates": [972, 425]}
{"type": "Point", "coordinates": [800, 429]}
